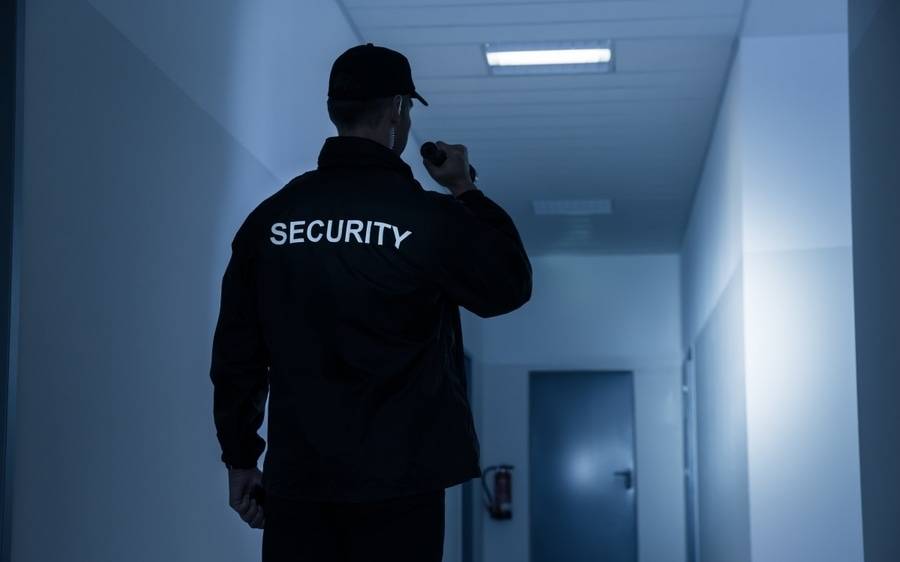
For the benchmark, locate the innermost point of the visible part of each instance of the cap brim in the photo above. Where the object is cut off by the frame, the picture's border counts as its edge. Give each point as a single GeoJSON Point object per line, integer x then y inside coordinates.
{"type": "Point", "coordinates": [418, 97]}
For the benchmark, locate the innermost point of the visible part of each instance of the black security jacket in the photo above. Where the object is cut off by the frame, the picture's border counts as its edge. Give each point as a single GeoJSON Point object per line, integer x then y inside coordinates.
{"type": "Point", "coordinates": [340, 303]}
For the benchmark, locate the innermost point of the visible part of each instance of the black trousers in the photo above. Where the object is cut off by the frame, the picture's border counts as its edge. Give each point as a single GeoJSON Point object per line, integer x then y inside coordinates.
{"type": "Point", "coordinates": [406, 529]}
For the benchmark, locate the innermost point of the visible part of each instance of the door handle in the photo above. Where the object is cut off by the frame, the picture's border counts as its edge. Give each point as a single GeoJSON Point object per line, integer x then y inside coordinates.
{"type": "Point", "coordinates": [627, 475]}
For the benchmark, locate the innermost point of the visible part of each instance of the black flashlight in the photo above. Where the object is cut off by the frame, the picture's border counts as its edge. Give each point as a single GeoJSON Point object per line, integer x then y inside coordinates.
{"type": "Point", "coordinates": [436, 156]}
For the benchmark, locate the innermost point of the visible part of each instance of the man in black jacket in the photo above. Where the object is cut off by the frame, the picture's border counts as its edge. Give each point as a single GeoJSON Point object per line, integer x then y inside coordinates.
{"type": "Point", "coordinates": [342, 295]}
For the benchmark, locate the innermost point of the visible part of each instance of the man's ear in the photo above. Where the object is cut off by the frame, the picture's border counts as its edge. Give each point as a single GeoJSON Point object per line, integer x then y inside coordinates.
{"type": "Point", "coordinates": [394, 109]}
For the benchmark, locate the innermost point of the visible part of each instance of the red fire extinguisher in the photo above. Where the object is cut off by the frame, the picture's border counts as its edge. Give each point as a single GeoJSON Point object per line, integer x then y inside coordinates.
{"type": "Point", "coordinates": [499, 503]}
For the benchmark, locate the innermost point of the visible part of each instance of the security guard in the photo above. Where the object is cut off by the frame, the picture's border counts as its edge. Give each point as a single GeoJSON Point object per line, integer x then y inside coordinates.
{"type": "Point", "coordinates": [342, 295]}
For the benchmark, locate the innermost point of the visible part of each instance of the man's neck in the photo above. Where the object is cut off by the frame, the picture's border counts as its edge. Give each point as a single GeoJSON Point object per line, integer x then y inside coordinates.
{"type": "Point", "coordinates": [371, 135]}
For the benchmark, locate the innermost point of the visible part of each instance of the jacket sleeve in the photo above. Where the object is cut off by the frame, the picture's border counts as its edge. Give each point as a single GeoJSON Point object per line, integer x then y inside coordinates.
{"type": "Point", "coordinates": [479, 260]}
{"type": "Point", "coordinates": [240, 362]}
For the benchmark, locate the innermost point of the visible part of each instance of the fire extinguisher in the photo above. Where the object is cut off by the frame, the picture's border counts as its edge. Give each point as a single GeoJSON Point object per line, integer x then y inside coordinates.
{"type": "Point", "coordinates": [499, 503]}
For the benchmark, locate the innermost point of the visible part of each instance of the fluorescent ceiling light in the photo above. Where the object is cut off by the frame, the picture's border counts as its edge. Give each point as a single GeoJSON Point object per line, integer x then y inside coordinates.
{"type": "Point", "coordinates": [572, 207]}
{"type": "Point", "coordinates": [558, 57]}
{"type": "Point", "coordinates": [549, 56]}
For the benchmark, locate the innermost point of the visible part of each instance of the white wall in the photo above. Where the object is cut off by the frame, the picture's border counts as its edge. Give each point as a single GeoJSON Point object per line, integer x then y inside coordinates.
{"type": "Point", "coordinates": [712, 248]}
{"type": "Point", "coordinates": [801, 376]}
{"type": "Point", "coordinates": [778, 171]}
{"type": "Point", "coordinates": [151, 130]}
{"type": "Point", "coordinates": [603, 312]}
{"type": "Point", "coordinates": [713, 328]}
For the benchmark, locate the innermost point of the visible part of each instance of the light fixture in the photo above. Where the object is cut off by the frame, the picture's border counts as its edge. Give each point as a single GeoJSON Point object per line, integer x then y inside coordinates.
{"type": "Point", "coordinates": [572, 207]}
{"type": "Point", "coordinates": [550, 58]}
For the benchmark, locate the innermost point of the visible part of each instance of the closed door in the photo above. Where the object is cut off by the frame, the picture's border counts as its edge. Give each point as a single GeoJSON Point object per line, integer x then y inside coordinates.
{"type": "Point", "coordinates": [582, 472]}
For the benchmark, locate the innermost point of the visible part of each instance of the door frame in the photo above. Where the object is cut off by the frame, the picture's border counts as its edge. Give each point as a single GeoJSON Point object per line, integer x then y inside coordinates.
{"type": "Point", "coordinates": [11, 92]}
{"type": "Point", "coordinates": [689, 439]}
{"type": "Point", "coordinates": [468, 489]}
{"type": "Point", "coordinates": [635, 469]}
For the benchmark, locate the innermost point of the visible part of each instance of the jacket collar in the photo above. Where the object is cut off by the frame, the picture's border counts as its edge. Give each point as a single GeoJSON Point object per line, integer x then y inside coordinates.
{"type": "Point", "coordinates": [359, 151]}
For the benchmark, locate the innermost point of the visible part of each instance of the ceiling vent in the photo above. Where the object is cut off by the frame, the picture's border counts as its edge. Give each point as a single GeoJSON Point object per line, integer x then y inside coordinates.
{"type": "Point", "coordinates": [572, 207]}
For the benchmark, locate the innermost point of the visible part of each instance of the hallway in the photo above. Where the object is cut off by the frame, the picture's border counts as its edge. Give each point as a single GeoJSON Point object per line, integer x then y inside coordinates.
{"type": "Point", "coordinates": [711, 210]}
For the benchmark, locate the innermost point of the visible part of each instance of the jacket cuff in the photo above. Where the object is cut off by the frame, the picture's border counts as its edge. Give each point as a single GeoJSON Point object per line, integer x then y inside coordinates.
{"type": "Point", "coordinates": [238, 463]}
{"type": "Point", "coordinates": [471, 194]}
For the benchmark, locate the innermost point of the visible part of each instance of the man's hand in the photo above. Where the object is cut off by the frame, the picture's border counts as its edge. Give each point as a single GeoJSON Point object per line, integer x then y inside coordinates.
{"type": "Point", "coordinates": [241, 481]}
{"type": "Point", "coordinates": [454, 172]}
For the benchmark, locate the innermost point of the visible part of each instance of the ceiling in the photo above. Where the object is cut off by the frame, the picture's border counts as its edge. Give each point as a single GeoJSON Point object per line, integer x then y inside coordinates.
{"type": "Point", "coordinates": [637, 136]}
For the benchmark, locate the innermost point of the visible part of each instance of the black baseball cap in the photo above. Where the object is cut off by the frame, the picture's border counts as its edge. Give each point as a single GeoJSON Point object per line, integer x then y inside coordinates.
{"type": "Point", "coordinates": [366, 71]}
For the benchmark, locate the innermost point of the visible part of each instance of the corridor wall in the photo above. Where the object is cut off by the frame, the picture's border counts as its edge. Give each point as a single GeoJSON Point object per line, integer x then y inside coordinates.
{"type": "Point", "coordinates": [769, 309]}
